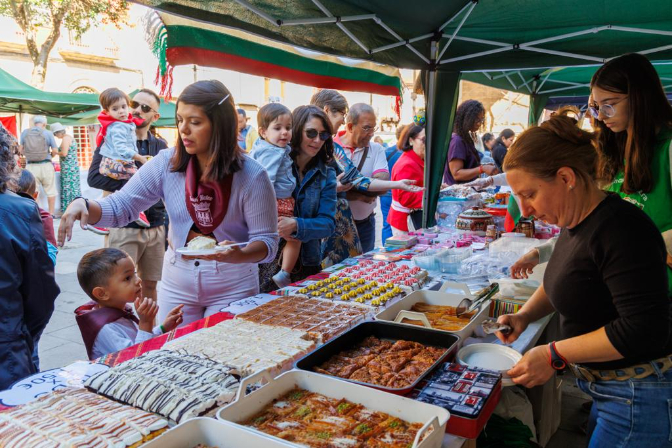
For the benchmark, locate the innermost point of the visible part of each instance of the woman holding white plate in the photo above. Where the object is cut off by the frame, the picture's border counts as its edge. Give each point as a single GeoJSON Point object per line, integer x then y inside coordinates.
{"type": "Point", "coordinates": [210, 188]}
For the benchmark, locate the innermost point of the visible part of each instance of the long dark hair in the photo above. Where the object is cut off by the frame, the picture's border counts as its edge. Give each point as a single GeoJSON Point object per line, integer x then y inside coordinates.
{"type": "Point", "coordinates": [506, 133]}
{"type": "Point", "coordinates": [224, 156]}
{"type": "Point", "coordinates": [300, 117]}
{"type": "Point", "coordinates": [465, 118]}
{"type": "Point", "coordinates": [649, 112]}
{"type": "Point", "coordinates": [411, 131]}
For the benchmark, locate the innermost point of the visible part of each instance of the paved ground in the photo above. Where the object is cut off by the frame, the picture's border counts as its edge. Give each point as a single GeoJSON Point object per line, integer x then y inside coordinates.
{"type": "Point", "coordinates": [61, 342]}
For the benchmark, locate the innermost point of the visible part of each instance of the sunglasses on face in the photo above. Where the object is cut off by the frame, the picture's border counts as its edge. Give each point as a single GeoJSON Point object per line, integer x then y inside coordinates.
{"type": "Point", "coordinates": [144, 107]}
{"type": "Point", "coordinates": [312, 133]}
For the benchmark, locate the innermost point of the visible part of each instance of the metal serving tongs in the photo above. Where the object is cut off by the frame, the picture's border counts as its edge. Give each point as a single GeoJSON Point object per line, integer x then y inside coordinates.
{"type": "Point", "coordinates": [468, 305]}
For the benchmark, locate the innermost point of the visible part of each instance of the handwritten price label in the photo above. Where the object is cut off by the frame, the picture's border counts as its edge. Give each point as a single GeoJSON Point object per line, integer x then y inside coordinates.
{"type": "Point", "coordinates": [43, 383]}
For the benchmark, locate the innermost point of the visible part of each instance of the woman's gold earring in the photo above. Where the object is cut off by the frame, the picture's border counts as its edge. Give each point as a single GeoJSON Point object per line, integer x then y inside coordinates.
{"type": "Point", "coordinates": [571, 187]}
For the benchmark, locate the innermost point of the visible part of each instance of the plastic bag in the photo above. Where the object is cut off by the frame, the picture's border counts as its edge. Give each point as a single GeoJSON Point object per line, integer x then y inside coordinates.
{"type": "Point", "coordinates": [515, 404]}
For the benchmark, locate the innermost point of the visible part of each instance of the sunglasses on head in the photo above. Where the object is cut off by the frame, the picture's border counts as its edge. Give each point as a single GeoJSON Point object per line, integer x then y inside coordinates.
{"type": "Point", "coordinates": [312, 133]}
{"type": "Point", "coordinates": [144, 107]}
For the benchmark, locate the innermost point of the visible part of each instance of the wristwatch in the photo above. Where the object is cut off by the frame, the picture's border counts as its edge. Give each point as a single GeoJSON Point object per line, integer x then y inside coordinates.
{"type": "Point", "coordinates": [558, 362]}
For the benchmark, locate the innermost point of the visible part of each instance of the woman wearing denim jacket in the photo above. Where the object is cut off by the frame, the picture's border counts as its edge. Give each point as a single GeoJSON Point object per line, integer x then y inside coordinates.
{"type": "Point", "coordinates": [314, 195]}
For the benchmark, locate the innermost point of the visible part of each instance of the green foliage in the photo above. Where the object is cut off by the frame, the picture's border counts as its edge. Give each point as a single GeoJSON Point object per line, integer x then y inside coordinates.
{"type": "Point", "coordinates": [75, 15]}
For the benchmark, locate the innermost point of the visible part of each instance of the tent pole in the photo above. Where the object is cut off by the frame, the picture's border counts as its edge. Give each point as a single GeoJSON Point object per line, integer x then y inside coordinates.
{"type": "Point", "coordinates": [430, 104]}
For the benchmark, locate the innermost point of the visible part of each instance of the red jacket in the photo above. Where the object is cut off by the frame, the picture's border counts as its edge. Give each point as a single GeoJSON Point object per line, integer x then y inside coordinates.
{"type": "Point", "coordinates": [409, 166]}
{"type": "Point", "coordinates": [105, 120]}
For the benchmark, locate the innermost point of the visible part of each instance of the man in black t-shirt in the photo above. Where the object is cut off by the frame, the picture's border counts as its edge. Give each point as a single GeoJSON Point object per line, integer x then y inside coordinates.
{"type": "Point", "coordinates": [146, 246]}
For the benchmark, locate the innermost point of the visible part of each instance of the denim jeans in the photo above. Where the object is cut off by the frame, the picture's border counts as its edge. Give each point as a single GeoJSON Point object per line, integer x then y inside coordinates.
{"type": "Point", "coordinates": [632, 413]}
{"type": "Point", "coordinates": [366, 228]}
{"type": "Point", "coordinates": [385, 204]}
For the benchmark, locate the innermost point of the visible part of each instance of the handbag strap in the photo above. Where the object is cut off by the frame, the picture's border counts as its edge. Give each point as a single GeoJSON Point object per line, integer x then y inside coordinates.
{"type": "Point", "coordinates": [361, 162]}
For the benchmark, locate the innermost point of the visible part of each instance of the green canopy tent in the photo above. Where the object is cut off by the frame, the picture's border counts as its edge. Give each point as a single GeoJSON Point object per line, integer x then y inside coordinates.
{"type": "Point", "coordinates": [18, 97]}
{"type": "Point", "coordinates": [166, 110]}
{"type": "Point", "coordinates": [545, 84]}
{"type": "Point", "coordinates": [447, 38]}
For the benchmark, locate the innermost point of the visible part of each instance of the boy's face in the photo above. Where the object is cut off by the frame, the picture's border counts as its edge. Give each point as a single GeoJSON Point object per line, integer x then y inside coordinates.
{"type": "Point", "coordinates": [123, 286]}
{"type": "Point", "coordinates": [119, 109]}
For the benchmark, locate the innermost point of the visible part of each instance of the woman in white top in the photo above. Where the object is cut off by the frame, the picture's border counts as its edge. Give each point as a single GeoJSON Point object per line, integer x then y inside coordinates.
{"type": "Point", "coordinates": [210, 187]}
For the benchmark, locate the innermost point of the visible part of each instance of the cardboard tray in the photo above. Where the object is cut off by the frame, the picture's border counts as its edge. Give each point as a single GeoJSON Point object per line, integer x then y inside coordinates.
{"type": "Point", "coordinates": [412, 411]}
{"type": "Point", "coordinates": [382, 330]}
{"type": "Point", "coordinates": [212, 432]}
{"type": "Point", "coordinates": [442, 298]}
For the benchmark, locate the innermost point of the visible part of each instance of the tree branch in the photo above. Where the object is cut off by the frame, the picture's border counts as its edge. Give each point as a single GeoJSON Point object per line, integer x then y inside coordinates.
{"type": "Point", "coordinates": [21, 12]}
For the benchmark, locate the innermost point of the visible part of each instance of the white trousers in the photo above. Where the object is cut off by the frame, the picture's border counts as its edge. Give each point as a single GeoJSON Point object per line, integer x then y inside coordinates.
{"type": "Point", "coordinates": [204, 287]}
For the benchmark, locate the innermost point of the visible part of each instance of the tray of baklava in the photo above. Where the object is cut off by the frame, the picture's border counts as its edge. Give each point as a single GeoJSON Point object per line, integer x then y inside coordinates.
{"type": "Point", "coordinates": [308, 409]}
{"type": "Point", "coordinates": [383, 355]}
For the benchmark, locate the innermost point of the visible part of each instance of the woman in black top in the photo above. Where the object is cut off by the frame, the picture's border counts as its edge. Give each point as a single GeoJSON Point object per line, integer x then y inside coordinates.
{"type": "Point", "coordinates": [607, 280]}
{"type": "Point", "coordinates": [502, 145]}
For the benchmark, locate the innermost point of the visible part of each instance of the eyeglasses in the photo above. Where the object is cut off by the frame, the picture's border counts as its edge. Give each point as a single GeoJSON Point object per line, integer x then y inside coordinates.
{"type": "Point", "coordinates": [312, 133]}
{"type": "Point", "coordinates": [608, 110]}
{"type": "Point", "coordinates": [369, 129]}
{"type": "Point", "coordinates": [144, 107]}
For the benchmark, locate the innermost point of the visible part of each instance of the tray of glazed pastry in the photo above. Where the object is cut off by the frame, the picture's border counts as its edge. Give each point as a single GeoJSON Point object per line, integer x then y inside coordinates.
{"type": "Point", "coordinates": [307, 409]}
{"type": "Point", "coordinates": [348, 289]}
{"type": "Point", "coordinates": [246, 346]}
{"type": "Point", "coordinates": [437, 310]}
{"type": "Point", "coordinates": [77, 417]}
{"type": "Point", "coordinates": [386, 356]}
{"type": "Point", "coordinates": [323, 320]}
{"type": "Point", "coordinates": [176, 386]}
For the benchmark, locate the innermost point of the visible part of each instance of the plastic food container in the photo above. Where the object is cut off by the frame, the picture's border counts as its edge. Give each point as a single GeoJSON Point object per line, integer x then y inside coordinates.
{"type": "Point", "coordinates": [428, 259]}
{"type": "Point", "coordinates": [412, 411]}
{"type": "Point", "coordinates": [490, 356]}
{"type": "Point", "coordinates": [450, 259]}
{"type": "Point", "coordinates": [381, 330]}
{"type": "Point", "coordinates": [211, 432]}
{"type": "Point", "coordinates": [400, 310]}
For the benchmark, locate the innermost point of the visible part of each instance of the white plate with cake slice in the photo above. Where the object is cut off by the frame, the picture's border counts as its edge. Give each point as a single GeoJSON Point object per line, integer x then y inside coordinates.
{"type": "Point", "coordinates": [204, 245]}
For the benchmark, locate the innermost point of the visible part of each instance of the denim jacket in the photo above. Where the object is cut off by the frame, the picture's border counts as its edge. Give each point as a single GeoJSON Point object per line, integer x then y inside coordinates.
{"type": "Point", "coordinates": [315, 209]}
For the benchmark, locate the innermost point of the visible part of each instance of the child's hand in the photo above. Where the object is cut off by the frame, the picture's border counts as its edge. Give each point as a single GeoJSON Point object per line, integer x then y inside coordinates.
{"type": "Point", "coordinates": [173, 319]}
{"type": "Point", "coordinates": [146, 309]}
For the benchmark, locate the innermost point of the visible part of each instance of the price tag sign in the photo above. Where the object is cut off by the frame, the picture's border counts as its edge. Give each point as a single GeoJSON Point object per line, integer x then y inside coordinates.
{"type": "Point", "coordinates": [43, 383]}
{"type": "Point", "coordinates": [244, 305]}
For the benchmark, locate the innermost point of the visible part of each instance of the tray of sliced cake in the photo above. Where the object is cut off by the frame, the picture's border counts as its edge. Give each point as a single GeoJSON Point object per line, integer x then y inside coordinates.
{"type": "Point", "coordinates": [176, 386]}
{"type": "Point", "coordinates": [246, 346]}
{"type": "Point", "coordinates": [321, 319]}
{"type": "Point", "coordinates": [76, 417]}
{"type": "Point", "coordinates": [437, 310]}
{"type": "Point", "coordinates": [383, 355]}
{"type": "Point", "coordinates": [307, 409]}
{"type": "Point", "coordinates": [201, 432]}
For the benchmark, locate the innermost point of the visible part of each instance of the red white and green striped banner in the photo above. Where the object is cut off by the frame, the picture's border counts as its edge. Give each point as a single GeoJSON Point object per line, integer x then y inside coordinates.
{"type": "Point", "coordinates": [180, 41]}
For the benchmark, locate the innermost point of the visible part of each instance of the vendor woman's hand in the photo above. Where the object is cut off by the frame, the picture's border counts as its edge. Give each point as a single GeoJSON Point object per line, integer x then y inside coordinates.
{"type": "Point", "coordinates": [286, 227]}
{"type": "Point", "coordinates": [517, 322]}
{"type": "Point", "coordinates": [75, 211]}
{"type": "Point", "coordinates": [534, 369]}
{"type": "Point", "coordinates": [409, 185]}
{"type": "Point", "coordinates": [525, 264]}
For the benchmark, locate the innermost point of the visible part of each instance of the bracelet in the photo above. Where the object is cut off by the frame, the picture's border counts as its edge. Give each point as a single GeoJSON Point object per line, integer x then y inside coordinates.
{"type": "Point", "coordinates": [86, 201]}
{"type": "Point", "coordinates": [163, 330]}
{"type": "Point", "coordinates": [480, 169]}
